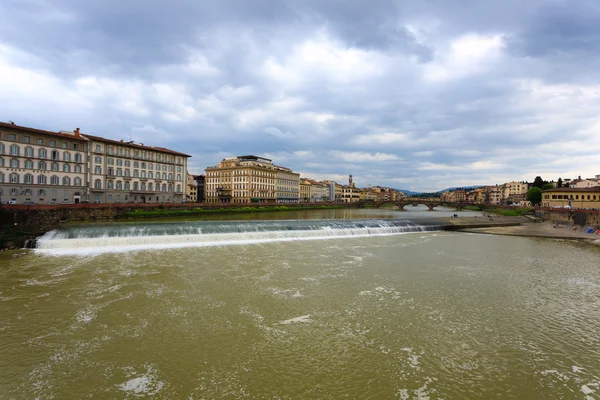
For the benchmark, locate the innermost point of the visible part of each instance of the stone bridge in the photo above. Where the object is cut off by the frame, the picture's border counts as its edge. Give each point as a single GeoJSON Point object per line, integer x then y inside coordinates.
{"type": "Point", "coordinates": [430, 203]}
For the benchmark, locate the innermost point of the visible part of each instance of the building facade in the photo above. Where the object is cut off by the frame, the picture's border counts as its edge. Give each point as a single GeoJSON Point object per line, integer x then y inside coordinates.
{"type": "Point", "coordinates": [305, 191]}
{"type": "Point", "coordinates": [582, 198]}
{"type": "Point", "coordinates": [45, 167]}
{"type": "Point", "coordinates": [200, 188]}
{"type": "Point", "coordinates": [243, 179]}
{"type": "Point", "coordinates": [191, 192]}
{"type": "Point", "coordinates": [288, 185]}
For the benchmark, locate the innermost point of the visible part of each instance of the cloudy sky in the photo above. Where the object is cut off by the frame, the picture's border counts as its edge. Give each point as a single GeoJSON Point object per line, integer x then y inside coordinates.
{"type": "Point", "coordinates": [412, 94]}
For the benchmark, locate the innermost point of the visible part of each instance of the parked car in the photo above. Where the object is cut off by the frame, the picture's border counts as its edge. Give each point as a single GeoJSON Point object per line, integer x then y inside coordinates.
{"type": "Point", "coordinates": [52, 202]}
{"type": "Point", "coordinates": [29, 202]}
{"type": "Point", "coordinates": [9, 202]}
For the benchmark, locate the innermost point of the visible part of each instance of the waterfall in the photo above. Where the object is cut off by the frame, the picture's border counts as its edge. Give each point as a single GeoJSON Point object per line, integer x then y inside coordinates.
{"type": "Point", "coordinates": [95, 239]}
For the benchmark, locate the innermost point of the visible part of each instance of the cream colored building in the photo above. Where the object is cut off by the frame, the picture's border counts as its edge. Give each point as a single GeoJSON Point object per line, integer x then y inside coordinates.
{"type": "Point", "coordinates": [584, 183]}
{"type": "Point", "coordinates": [128, 172]}
{"type": "Point", "coordinates": [581, 198]}
{"type": "Point", "coordinates": [69, 167]}
{"type": "Point", "coordinates": [38, 166]}
{"type": "Point", "coordinates": [319, 191]}
{"type": "Point", "coordinates": [350, 194]}
{"type": "Point", "coordinates": [305, 191]}
{"type": "Point", "coordinates": [288, 185]}
{"type": "Point", "coordinates": [251, 179]}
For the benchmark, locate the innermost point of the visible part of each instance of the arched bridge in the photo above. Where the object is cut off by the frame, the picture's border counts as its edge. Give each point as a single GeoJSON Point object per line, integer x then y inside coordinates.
{"type": "Point", "coordinates": [430, 203]}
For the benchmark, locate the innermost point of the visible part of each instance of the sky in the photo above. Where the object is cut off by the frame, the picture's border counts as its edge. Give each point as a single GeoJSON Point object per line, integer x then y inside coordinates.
{"type": "Point", "coordinates": [411, 94]}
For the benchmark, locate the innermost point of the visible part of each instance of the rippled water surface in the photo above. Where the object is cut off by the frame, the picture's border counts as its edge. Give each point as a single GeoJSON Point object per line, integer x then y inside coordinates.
{"type": "Point", "coordinates": [415, 315]}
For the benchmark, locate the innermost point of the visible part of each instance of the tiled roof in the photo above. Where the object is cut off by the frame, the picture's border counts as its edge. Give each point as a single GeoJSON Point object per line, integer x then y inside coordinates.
{"type": "Point", "coordinates": [40, 131]}
{"type": "Point", "coordinates": [135, 146]}
{"type": "Point", "coordinates": [568, 189]}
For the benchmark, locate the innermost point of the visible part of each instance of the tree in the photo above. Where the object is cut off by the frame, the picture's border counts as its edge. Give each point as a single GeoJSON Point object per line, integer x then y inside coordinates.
{"type": "Point", "coordinates": [547, 185]}
{"type": "Point", "coordinates": [559, 183]}
{"type": "Point", "coordinates": [538, 182]}
{"type": "Point", "coordinates": [534, 195]}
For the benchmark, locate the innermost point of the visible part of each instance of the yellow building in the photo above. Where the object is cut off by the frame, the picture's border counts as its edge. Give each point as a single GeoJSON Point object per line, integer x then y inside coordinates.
{"type": "Point", "coordinates": [305, 191]}
{"type": "Point", "coordinates": [191, 189]}
{"type": "Point", "coordinates": [585, 198]}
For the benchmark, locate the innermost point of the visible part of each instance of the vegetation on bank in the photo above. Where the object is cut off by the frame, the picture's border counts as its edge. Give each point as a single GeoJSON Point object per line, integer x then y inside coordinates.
{"type": "Point", "coordinates": [237, 210]}
{"type": "Point", "coordinates": [472, 208]}
{"type": "Point", "coordinates": [510, 212]}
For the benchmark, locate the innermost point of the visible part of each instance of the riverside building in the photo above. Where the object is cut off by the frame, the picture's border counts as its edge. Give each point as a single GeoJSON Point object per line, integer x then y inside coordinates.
{"type": "Point", "coordinates": [251, 179]}
{"type": "Point", "coordinates": [45, 167]}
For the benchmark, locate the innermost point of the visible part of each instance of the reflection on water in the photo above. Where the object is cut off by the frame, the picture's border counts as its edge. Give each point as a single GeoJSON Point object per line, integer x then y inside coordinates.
{"type": "Point", "coordinates": [418, 315]}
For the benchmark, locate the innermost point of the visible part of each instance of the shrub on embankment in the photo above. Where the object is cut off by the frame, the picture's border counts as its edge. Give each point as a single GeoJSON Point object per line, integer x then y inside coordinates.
{"type": "Point", "coordinates": [510, 212]}
{"type": "Point", "coordinates": [200, 211]}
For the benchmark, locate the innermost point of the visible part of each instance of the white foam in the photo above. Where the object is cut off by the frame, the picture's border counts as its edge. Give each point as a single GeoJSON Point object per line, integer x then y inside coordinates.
{"type": "Point", "coordinates": [99, 245]}
{"type": "Point", "coordinates": [577, 369]}
{"type": "Point", "coordinates": [586, 390]}
{"type": "Point", "coordinates": [303, 318]}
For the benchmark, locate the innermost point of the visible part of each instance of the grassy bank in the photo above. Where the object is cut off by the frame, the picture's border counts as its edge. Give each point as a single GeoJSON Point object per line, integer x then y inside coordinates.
{"type": "Point", "coordinates": [512, 212]}
{"type": "Point", "coordinates": [237, 210]}
{"type": "Point", "coordinates": [472, 208]}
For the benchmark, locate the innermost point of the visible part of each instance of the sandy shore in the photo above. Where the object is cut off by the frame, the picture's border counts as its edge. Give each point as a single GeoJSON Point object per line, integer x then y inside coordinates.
{"type": "Point", "coordinates": [543, 229]}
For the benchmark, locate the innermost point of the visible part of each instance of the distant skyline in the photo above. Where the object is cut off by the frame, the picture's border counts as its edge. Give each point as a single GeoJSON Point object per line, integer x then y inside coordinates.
{"type": "Point", "coordinates": [407, 94]}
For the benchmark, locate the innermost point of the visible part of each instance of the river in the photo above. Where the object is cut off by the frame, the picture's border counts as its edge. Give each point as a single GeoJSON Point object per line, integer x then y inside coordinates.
{"type": "Point", "coordinates": [328, 304]}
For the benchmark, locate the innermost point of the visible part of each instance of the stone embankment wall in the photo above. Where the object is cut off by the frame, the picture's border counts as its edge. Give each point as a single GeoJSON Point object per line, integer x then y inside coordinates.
{"type": "Point", "coordinates": [575, 217]}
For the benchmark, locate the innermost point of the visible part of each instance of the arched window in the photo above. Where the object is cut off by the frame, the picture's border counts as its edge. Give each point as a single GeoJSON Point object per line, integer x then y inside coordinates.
{"type": "Point", "coordinates": [164, 187]}
{"type": "Point", "coordinates": [14, 178]}
{"type": "Point", "coordinates": [42, 153]}
{"type": "Point", "coordinates": [136, 186]}
{"type": "Point", "coordinates": [98, 160]}
{"type": "Point", "coordinates": [66, 156]}
{"type": "Point", "coordinates": [143, 184]}
{"type": "Point", "coordinates": [164, 176]}
{"type": "Point", "coordinates": [119, 185]}
{"type": "Point", "coordinates": [77, 181]}
{"type": "Point", "coordinates": [150, 175]}
{"type": "Point", "coordinates": [127, 186]}
{"type": "Point", "coordinates": [42, 165]}
{"type": "Point", "coordinates": [178, 188]}
{"type": "Point", "coordinates": [28, 179]}
{"type": "Point", "coordinates": [150, 186]}
{"type": "Point", "coordinates": [66, 181]}
{"type": "Point", "coordinates": [55, 155]}
{"type": "Point", "coordinates": [98, 184]}
{"type": "Point", "coordinates": [110, 185]}
{"type": "Point", "coordinates": [29, 164]}
{"type": "Point", "coordinates": [54, 180]}
{"type": "Point", "coordinates": [77, 169]}
{"type": "Point", "coordinates": [111, 161]}
{"type": "Point", "coordinates": [54, 166]}
{"type": "Point", "coordinates": [143, 174]}
{"type": "Point", "coordinates": [66, 168]}
{"type": "Point", "coordinates": [77, 157]}
{"type": "Point", "coordinates": [170, 177]}
{"type": "Point", "coordinates": [170, 189]}
{"type": "Point", "coordinates": [28, 151]}
{"type": "Point", "coordinates": [14, 163]}
{"type": "Point", "coordinates": [14, 150]}
{"type": "Point", "coordinates": [41, 180]}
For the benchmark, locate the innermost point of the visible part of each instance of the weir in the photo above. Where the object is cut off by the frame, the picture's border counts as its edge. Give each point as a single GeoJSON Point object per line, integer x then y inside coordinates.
{"type": "Point", "coordinates": [96, 239]}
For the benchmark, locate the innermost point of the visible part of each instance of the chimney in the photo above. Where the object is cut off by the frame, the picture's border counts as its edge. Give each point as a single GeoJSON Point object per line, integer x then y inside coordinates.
{"type": "Point", "coordinates": [76, 132]}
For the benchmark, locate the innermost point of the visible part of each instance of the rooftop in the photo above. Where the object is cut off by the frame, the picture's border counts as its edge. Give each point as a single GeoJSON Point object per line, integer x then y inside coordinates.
{"type": "Point", "coordinates": [568, 189]}
{"type": "Point", "coordinates": [70, 135]}
{"type": "Point", "coordinates": [134, 145]}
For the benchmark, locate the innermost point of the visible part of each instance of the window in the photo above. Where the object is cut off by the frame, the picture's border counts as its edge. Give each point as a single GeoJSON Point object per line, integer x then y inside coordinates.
{"type": "Point", "coordinates": [127, 186]}
{"type": "Point", "coordinates": [97, 184]}
{"type": "Point", "coordinates": [119, 162]}
{"type": "Point", "coordinates": [178, 188]}
{"type": "Point", "coordinates": [164, 176]}
{"type": "Point", "coordinates": [179, 169]}
{"type": "Point", "coordinates": [143, 174]}
{"type": "Point", "coordinates": [170, 177]}
{"type": "Point", "coordinates": [98, 160]}
{"type": "Point", "coordinates": [66, 168]}
{"type": "Point", "coordinates": [127, 163]}
{"type": "Point", "coordinates": [63, 145]}
{"type": "Point", "coordinates": [55, 155]}
{"type": "Point", "coordinates": [127, 172]}
{"type": "Point", "coordinates": [77, 181]}
{"type": "Point", "coordinates": [119, 172]}
{"type": "Point", "coordinates": [53, 143]}
{"type": "Point", "coordinates": [42, 153]}
{"type": "Point", "coordinates": [143, 186]}
{"type": "Point", "coordinates": [42, 192]}
{"type": "Point", "coordinates": [41, 180]}
{"type": "Point", "coordinates": [143, 165]}
{"type": "Point", "coordinates": [150, 166]}
{"type": "Point", "coordinates": [150, 186]}
{"type": "Point", "coordinates": [136, 164]}
{"type": "Point", "coordinates": [28, 179]}
{"type": "Point", "coordinates": [178, 177]}
{"type": "Point", "coordinates": [54, 181]}
{"type": "Point", "coordinates": [98, 170]}
{"type": "Point", "coordinates": [98, 148]}
{"type": "Point", "coordinates": [42, 165]}
{"type": "Point", "coordinates": [66, 181]}
{"type": "Point", "coordinates": [164, 187]}
{"type": "Point", "coordinates": [29, 164]}
{"type": "Point", "coordinates": [2, 148]}
{"type": "Point", "coordinates": [40, 141]}
{"type": "Point", "coordinates": [14, 178]}
{"type": "Point", "coordinates": [170, 188]}
{"type": "Point", "coordinates": [1, 162]}
{"type": "Point", "coordinates": [54, 166]}
{"type": "Point", "coordinates": [75, 146]}
{"type": "Point", "coordinates": [12, 137]}
{"type": "Point", "coordinates": [110, 185]}
{"type": "Point", "coordinates": [28, 151]}
{"type": "Point", "coordinates": [111, 171]}
{"type": "Point", "coordinates": [135, 186]}
{"type": "Point", "coordinates": [136, 173]}
{"type": "Point", "coordinates": [14, 191]}
{"type": "Point", "coordinates": [119, 185]}
{"type": "Point", "coordinates": [1, 177]}
{"type": "Point", "coordinates": [14, 150]}
{"type": "Point", "coordinates": [111, 161]}
{"type": "Point", "coordinates": [77, 169]}
{"type": "Point", "coordinates": [14, 163]}
{"type": "Point", "coordinates": [78, 157]}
